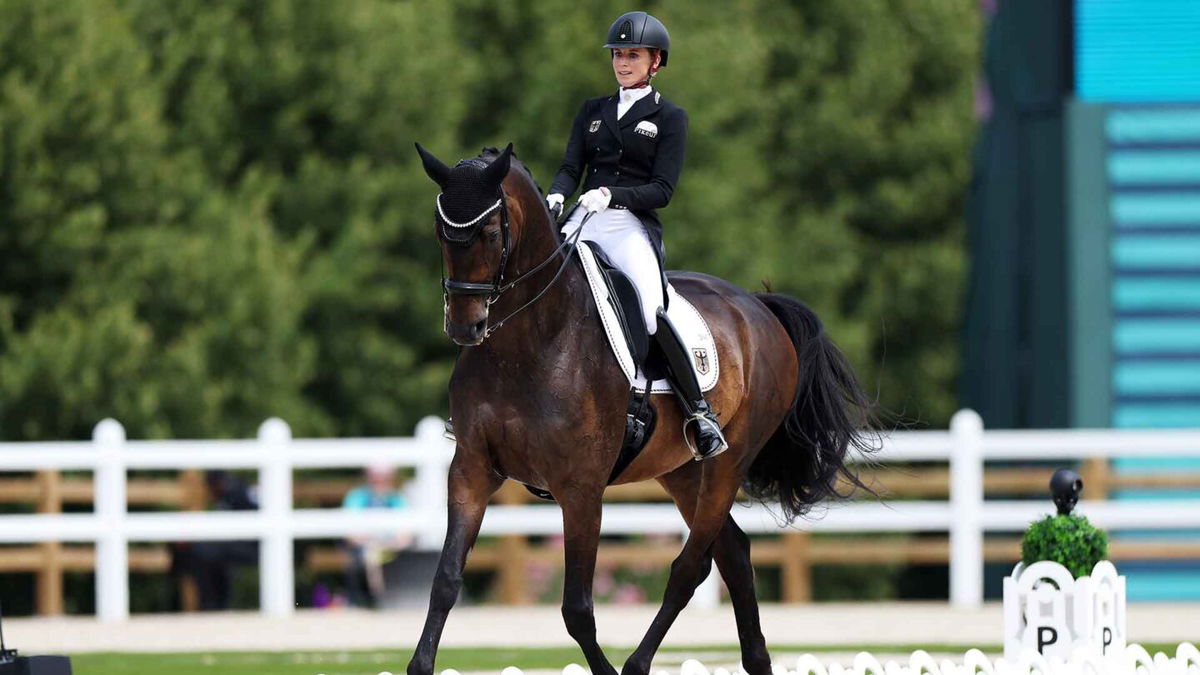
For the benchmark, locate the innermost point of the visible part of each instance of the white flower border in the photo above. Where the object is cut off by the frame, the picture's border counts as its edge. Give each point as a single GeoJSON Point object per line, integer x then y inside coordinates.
{"type": "Point", "coordinates": [1133, 660]}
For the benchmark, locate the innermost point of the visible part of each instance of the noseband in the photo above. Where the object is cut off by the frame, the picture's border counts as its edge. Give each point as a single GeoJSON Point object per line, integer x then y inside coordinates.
{"type": "Point", "coordinates": [497, 287]}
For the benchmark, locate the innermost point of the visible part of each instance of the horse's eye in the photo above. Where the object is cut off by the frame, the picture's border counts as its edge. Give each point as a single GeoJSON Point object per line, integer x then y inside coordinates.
{"type": "Point", "coordinates": [492, 233]}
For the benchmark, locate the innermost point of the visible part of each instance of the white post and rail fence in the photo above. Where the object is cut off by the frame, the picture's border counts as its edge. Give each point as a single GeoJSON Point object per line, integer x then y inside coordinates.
{"type": "Point", "coordinates": [275, 455]}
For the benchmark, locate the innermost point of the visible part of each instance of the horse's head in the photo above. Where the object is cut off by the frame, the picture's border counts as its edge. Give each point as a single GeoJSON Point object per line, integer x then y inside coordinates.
{"type": "Point", "coordinates": [478, 226]}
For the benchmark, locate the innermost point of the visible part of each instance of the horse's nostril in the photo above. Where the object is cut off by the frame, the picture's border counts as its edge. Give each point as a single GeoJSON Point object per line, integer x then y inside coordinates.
{"type": "Point", "coordinates": [480, 326]}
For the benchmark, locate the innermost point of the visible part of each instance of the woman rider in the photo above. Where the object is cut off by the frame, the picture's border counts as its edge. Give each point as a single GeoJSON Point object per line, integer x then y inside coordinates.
{"type": "Point", "coordinates": [628, 149]}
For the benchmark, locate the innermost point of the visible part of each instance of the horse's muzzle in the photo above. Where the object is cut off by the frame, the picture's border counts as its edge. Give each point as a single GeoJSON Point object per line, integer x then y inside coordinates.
{"type": "Point", "coordinates": [467, 334]}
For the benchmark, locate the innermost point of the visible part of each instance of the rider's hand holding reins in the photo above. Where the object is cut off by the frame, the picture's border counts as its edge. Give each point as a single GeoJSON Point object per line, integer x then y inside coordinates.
{"type": "Point", "coordinates": [554, 203]}
{"type": "Point", "coordinates": [596, 200]}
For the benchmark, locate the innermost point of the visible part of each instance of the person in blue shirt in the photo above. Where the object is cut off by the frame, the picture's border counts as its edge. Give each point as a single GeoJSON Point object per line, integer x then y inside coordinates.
{"type": "Point", "coordinates": [369, 554]}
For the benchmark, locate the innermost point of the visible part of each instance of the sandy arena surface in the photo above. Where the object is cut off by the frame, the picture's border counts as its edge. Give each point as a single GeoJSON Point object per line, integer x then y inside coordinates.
{"type": "Point", "coordinates": [541, 626]}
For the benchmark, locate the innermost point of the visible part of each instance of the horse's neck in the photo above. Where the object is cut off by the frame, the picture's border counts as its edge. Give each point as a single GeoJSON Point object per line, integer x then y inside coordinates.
{"type": "Point", "coordinates": [552, 316]}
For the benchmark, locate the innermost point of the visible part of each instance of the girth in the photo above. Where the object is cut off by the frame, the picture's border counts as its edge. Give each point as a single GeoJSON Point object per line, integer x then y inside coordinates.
{"type": "Point", "coordinates": [640, 421]}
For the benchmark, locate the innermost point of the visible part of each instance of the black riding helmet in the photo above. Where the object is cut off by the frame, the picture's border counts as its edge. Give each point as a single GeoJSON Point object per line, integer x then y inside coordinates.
{"type": "Point", "coordinates": [639, 29]}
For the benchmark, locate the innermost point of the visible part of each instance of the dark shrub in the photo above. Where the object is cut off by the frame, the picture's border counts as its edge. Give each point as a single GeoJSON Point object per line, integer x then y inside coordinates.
{"type": "Point", "coordinates": [1071, 541]}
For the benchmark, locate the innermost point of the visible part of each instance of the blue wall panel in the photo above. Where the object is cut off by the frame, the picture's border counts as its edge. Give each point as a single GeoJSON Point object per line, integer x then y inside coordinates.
{"type": "Point", "coordinates": [1137, 50]}
{"type": "Point", "coordinates": [1153, 172]}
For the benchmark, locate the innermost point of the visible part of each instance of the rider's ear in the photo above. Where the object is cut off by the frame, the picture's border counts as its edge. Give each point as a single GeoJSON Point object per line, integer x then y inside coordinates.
{"type": "Point", "coordinates": [498, 169]}
{"type": "Point", "coordinates": [433, 166]}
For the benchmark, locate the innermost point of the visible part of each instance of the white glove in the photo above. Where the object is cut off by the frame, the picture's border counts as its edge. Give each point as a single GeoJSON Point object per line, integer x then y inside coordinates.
{"type": "Point", "coordinates": [554, 204]}
{"type": "Point", "coordinates": [596, 200]}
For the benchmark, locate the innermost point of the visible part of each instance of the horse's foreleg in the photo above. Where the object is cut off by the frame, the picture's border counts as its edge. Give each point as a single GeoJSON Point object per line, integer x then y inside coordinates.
{"type": "Point", "coordinates": [470, 485]}
{"type": "Point", "coordinates": [731, 551]}
{"type": "Point", "coordinates": [581, 529]}
{"type": "Point", "coordinates": [718, 488]}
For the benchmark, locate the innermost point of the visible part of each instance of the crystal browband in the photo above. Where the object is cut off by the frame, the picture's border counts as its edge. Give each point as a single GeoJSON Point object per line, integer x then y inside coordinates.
{"type": "Point", "coordinates": [472, 223]}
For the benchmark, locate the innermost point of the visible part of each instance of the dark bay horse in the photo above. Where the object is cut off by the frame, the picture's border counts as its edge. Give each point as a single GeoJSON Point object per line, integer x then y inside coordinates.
{"type": "Point", "coordinates": [537, 397]}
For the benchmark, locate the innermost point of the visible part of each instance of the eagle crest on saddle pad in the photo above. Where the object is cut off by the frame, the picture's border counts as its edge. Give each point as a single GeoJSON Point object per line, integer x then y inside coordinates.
{"type": "Point", "coordinates": [701, 358]}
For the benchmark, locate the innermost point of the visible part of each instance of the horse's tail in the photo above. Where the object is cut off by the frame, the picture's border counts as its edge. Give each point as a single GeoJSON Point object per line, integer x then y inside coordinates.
{"type": "Point", "coordinates": [806, 457]}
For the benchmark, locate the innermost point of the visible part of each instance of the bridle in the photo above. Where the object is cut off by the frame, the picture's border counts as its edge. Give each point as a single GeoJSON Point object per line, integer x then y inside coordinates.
{"type": "Point", "coordinates": [497, 287]}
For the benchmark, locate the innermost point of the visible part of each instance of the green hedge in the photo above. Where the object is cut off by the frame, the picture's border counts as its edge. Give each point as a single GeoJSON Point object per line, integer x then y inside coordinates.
{"type": "Point", "coordinates": [1070, 541]}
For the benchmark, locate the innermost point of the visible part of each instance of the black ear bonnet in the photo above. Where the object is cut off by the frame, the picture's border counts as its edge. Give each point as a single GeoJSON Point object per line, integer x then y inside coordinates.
{"type": "Point", "coordinates": [471, 193]}
{"type": "Point", "coordinates": [468, 200]}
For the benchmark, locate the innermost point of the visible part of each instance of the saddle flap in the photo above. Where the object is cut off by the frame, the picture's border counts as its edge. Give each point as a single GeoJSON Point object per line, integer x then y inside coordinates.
{"type": "Point", "coordinates": [607, 292]}
{"type": "Point", "coordinates": [628, 304]}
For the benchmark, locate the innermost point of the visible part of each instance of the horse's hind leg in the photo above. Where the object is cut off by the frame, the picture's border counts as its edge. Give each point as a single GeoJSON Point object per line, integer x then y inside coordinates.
{"type": "Point", "coordinates": [718, 488]}
{"type": "Point", "coordinates": [470, 485]}
{"type": "Point", "coordinates": [732, 553]}
{"type": "Point", "coordinates": [581, 509]}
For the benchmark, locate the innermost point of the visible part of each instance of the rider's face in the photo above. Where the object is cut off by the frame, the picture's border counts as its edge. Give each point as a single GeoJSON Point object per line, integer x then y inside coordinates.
{"type": "Point", "coordinates": [631, 66]}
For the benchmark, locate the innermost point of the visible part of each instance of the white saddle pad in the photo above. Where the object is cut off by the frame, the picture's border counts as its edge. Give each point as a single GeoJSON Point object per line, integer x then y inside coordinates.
{"type": "Point", "coordinates": [683, 315]}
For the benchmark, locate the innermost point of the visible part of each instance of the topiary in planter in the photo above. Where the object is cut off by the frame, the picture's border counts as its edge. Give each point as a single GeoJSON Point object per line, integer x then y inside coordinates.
{"type": "Point", "coordinates": [1068, 540]}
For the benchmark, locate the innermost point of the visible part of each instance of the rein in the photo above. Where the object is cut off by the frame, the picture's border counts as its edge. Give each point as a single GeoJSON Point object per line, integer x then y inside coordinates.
{"type": "Point", "coordinates": [570, 243]}
{"type": "Point", "coordinates": [497, 288]}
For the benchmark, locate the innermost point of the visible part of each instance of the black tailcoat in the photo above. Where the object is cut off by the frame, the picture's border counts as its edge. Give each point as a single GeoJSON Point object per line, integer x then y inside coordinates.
{"type": "Point", "coordinates": [638, 157]}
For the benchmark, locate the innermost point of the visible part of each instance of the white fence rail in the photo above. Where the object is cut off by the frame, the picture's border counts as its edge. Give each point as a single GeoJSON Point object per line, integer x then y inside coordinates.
{"type": "Point", "coordinates": [276, 524]}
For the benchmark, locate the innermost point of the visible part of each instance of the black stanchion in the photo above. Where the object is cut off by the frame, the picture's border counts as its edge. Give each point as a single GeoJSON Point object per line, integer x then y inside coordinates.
{"type": "Point", "coordinates": [13, 664]}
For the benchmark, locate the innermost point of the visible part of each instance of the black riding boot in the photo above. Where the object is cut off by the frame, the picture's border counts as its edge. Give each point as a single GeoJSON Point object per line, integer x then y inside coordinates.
{"type": "Point", "coordinates": [710, 442]}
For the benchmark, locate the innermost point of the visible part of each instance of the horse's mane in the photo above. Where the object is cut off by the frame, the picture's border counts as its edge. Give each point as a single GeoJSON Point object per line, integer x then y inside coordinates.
{"type": "Point", "coordinates": [491, 153]}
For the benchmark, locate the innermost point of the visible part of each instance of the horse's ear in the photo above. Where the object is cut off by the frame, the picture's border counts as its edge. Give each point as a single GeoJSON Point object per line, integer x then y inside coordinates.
{"type": "Point", "coordinates": [498, 169]}
{"type": "Point", "coordinates": [433, 166]}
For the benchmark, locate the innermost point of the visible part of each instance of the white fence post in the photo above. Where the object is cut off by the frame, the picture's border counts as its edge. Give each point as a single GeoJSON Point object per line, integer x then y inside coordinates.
{"type": "Point", "coordinates": [966, 508]}
{"type": "Point", "coordinates": [112, 549]}
{"type": "Point", "coordinates": [430, 482]}
{"type": "Point", "coordinates": [277, 592]}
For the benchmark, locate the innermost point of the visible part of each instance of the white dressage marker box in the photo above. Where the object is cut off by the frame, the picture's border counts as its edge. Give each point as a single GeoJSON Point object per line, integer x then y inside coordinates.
{"type": "Point", "coordinates": [1049, 611]}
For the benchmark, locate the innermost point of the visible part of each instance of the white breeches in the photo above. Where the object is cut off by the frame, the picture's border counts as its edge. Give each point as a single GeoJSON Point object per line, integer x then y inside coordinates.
{"type": "Point", "coordinates": [624, 239]}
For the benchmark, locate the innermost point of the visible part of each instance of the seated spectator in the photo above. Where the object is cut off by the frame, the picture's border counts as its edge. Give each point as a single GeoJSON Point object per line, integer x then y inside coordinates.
{"type": "Point", "coordinates": [212, 564]}
{"type": "Point", "coordinates": [369, 554]}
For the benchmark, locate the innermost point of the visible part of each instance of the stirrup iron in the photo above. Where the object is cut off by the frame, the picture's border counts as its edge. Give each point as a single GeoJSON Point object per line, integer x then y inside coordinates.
{"type": "Point", "coordinates": [702, 419]}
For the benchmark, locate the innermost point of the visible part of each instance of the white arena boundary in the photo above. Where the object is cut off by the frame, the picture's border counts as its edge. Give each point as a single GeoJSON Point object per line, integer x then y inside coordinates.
{"type": "Point", "coordinates": [966, 515]}
{"type": "Point", "coordinates": [1133, 661]}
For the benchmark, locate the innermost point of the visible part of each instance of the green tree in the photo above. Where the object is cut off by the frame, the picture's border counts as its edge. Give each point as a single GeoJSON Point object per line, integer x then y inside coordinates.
{"type": "Point", "coordinates": [211, 212]}
{"type": "Point", "coordinates": [326, 99]}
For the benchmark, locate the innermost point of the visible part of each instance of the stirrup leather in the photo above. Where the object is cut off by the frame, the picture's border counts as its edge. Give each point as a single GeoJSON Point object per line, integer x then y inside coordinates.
{"type": "Point", "coordinates": [704, 420]}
